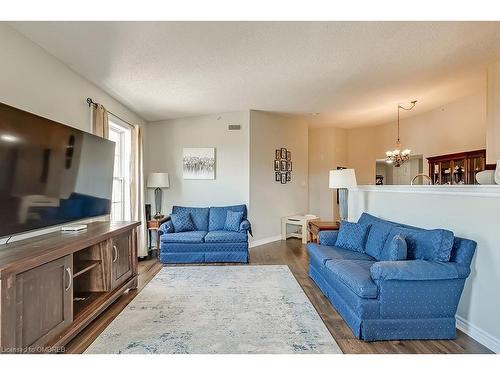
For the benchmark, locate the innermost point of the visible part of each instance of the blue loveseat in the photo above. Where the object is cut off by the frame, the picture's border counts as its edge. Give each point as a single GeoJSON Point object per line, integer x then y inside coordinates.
{"type": "Point", "coordinates": [208, 242]}
{"type": "Point", "coordinates": [416, 298]}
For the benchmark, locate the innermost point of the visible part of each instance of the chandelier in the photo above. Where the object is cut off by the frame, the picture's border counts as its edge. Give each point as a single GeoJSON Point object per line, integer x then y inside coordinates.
{"type": "Point", "coordinates": [398, 157]}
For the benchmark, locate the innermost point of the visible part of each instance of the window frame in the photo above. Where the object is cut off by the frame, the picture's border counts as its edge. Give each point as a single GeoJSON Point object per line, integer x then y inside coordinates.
{"type": "Point", "coordinates": [124, 153]}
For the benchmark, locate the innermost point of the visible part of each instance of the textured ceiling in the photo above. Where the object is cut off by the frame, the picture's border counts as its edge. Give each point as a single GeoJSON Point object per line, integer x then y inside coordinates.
{"type": "Point", "coordinates": [351, 73]}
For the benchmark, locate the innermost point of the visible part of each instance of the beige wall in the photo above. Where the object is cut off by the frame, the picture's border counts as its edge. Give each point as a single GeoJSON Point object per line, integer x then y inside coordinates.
{"type": "Point", "coordinates": [163, 153]}
{"type": "Point", "coordinates": [455, 127]}
{"type": "Point", "coordinates": [493, 114]}
{"type": "Point", "coordinates": [270, 200]}
{"type": "Point", "coordinates": [327, 151]}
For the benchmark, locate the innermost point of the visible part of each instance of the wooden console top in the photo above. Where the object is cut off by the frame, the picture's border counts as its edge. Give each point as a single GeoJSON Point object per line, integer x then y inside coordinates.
{"type": "Point", "coordinates": [25, 254]}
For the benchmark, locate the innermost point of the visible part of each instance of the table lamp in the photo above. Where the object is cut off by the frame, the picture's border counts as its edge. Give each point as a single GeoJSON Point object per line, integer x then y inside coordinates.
{"type": "Point", "coordinates": [158, 181]}
{"type": "Point", "coordinates": [342, 179]}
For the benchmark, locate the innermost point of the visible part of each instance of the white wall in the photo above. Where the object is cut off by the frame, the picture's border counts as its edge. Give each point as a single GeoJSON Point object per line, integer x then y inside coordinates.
{"type": "Point", "coordinates": [270, 200]}
{"type": "Point", "coordinates": [163, 153]}
{"type": "Point", "coordinates": [474, 216]}
{"type": "Point", "coordinates": [35, 81]}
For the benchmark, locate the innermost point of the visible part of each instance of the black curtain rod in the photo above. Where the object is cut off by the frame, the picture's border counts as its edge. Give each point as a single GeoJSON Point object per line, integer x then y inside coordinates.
{"type": "Point", "coordinates": [90, 102]}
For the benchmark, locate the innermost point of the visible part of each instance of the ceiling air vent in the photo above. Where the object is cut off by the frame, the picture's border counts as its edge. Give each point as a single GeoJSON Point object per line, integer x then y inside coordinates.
{"type": "Point", "coordinates": [234, 127]}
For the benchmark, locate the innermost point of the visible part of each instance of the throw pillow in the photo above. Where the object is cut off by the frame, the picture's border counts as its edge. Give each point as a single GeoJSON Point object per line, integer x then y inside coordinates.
{"type": "Point", "coordinates": [233, 221]}
{"type": "Point", "coordinates": [182, 222]}
{"type": "Point", "coordinates": [352, 236]}
{"type": "Point", "coordinates": [428, 244]}
{"type": "Point", "coordinates": [396, 249]}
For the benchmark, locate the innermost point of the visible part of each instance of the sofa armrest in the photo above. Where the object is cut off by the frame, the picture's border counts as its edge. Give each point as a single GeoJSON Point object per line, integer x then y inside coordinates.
{"type": "Point", "coordinates": [166, 227]}
{"type": "Point", "coordinates": [245, 226]}
{"type": "Point", "coordinates": [328, 237]}
{"type": "Point", "coordinates": [418, 270]}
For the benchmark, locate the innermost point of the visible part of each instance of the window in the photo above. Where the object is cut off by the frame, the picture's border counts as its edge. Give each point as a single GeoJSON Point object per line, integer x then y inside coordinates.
{"type": "Point", "coordinates": [120, 133]}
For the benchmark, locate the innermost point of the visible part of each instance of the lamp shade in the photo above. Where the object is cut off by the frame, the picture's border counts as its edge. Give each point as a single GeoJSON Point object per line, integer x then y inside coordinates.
{"type": "Point", "coordinates": [342, 179]}
{"type": "Point", "coordinates": [158, 180]}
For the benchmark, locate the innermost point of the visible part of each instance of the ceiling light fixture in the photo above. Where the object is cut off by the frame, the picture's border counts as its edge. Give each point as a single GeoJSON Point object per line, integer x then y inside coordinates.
{"type": "Point", "coordinates": [398, 157]}
{"type": "Point", "coordinates": [9, 138]}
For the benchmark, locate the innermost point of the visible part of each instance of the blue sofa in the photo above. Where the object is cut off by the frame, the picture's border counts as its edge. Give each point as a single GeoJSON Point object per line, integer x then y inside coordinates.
{"type": "Point", "coordinates": [209, 242]}
{"type": "Point", "coordinates": [416, 298]}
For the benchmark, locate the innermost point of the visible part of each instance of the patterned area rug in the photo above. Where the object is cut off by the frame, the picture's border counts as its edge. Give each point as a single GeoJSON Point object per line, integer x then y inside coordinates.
{"type": "Point", "coordinates": [218, 310]}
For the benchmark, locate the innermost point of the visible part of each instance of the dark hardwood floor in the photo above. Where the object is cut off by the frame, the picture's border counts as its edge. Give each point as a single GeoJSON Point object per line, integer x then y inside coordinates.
{"type": "Point", "coordinates": [293, 254]}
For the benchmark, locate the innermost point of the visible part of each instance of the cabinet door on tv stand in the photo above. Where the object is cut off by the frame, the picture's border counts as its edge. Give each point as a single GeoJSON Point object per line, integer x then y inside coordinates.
{"type": "Point", "coordinates": [44, 302]}
{"type": "Point", "coordinates": [121, 261]}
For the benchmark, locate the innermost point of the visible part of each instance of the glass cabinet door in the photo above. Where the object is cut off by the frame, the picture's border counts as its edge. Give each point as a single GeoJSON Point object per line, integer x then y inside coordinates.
{"type": "Point", "coordinates": [476, 164]}
{"type": "Point", "coordinates": [434, 172]}
{"type": "Point", "coordinates": [446, 173]}
{"type": "Point", "coordinates": [458, 170]}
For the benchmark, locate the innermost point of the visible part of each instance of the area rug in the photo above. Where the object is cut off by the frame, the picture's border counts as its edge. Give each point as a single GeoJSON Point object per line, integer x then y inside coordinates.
{"type": "Point", "coordinates": [218, 310]}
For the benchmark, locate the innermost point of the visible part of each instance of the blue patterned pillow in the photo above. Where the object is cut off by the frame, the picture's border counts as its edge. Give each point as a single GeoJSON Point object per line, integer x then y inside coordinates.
{"type": "Point", "coordinates": [233, 221]}
{"type": "Point", "coordinates": [428, 244]}
{"type": "Point", "coordinates": [352, 236]}
{"type": "Point", "coordinates": [396, 249]}
{"type": "Point", "coordinates": [182, 222]}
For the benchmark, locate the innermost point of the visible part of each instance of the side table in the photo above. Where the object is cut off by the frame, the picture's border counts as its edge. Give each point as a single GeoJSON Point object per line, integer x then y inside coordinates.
{"type": "Point", "coordinates": [153, 226]}
{"type": "Point", "coordinates": [299, 222]}
{"type": "Point", "coordinates": [316, 226]}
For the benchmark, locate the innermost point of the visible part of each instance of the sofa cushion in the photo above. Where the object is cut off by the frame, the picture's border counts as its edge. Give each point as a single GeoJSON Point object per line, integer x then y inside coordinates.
{"type": "Point", "coordinates": [322, 253]}
{"type": "Point", "coordinates": [434, 244]}
{"type": "Point", "coordinates": [217, 215]}
{"type": "Point", "coordinates": [184, 237]}
{"type": "Point", "coordinates": [355, 274]}
{"type": "Point", "coordinates": [233, 221]}
{"type": "Point", "coordinates": [182, 222]}
{"type": "Point", "coordinates": [396, 249]}
{"type": "Point", "coordinates": [421, 270]}
{"type": "Point", "coordinates": [198, 215]}
{"type": "Point", "coordinates": [378, 234]}
{"type": "Point", "coordinates": [225, 236]}
{"type": "Point", "coordinates": [352, 236]}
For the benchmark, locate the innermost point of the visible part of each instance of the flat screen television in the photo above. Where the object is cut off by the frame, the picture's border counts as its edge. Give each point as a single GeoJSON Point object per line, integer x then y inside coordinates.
{"type": "Point", "coordinates": [50, 173]}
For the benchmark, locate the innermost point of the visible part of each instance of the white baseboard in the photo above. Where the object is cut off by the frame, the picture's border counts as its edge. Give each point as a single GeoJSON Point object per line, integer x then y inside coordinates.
{"type": "Point", "coordinates": [264, 241]}
{"type": "Point", "coordinates": [478, 334]}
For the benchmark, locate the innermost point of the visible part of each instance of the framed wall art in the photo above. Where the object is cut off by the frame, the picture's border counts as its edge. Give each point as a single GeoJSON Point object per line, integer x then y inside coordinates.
{"type": "Point", "coordinates": [282, 165]}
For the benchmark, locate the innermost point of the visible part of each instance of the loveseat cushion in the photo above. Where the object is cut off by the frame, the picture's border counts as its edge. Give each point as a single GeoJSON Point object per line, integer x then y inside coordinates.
{"type": "Point", "coordinates": [217, 215]}
{"type": "Point", "coordinates": [355, 274]}
{"type": "Point", "coordinates": [182, 222]}
{"type": "Point", "coordinates": [352, 236]}
{"type": "Point", "coordinates": [199, 216]}
{"type": "Point", "coordinates": [184, 237]}
{"type": "Point", "coordinates": [433, 244]}
{"type": "Point", "coordinates": [233, 221]}
{"type": "Point", "coordinates": [321, 253]}
{"type": "Point", "coordinates": [225, 236]}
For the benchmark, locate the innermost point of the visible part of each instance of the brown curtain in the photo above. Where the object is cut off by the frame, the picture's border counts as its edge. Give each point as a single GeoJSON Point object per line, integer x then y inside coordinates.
{"type": "Point", "coordinates": [100, 125]}
{"type": "Point", "coordinates": [137, 188]}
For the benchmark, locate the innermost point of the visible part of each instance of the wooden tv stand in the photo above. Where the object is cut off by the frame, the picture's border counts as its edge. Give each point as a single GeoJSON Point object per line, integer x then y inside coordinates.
{"type": "Point", "coordinates": [52, 286]}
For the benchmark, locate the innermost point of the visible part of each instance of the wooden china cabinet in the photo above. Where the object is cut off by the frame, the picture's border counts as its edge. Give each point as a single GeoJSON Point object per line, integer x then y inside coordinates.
{"type": "Point", "coordinates": [457, 169]}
